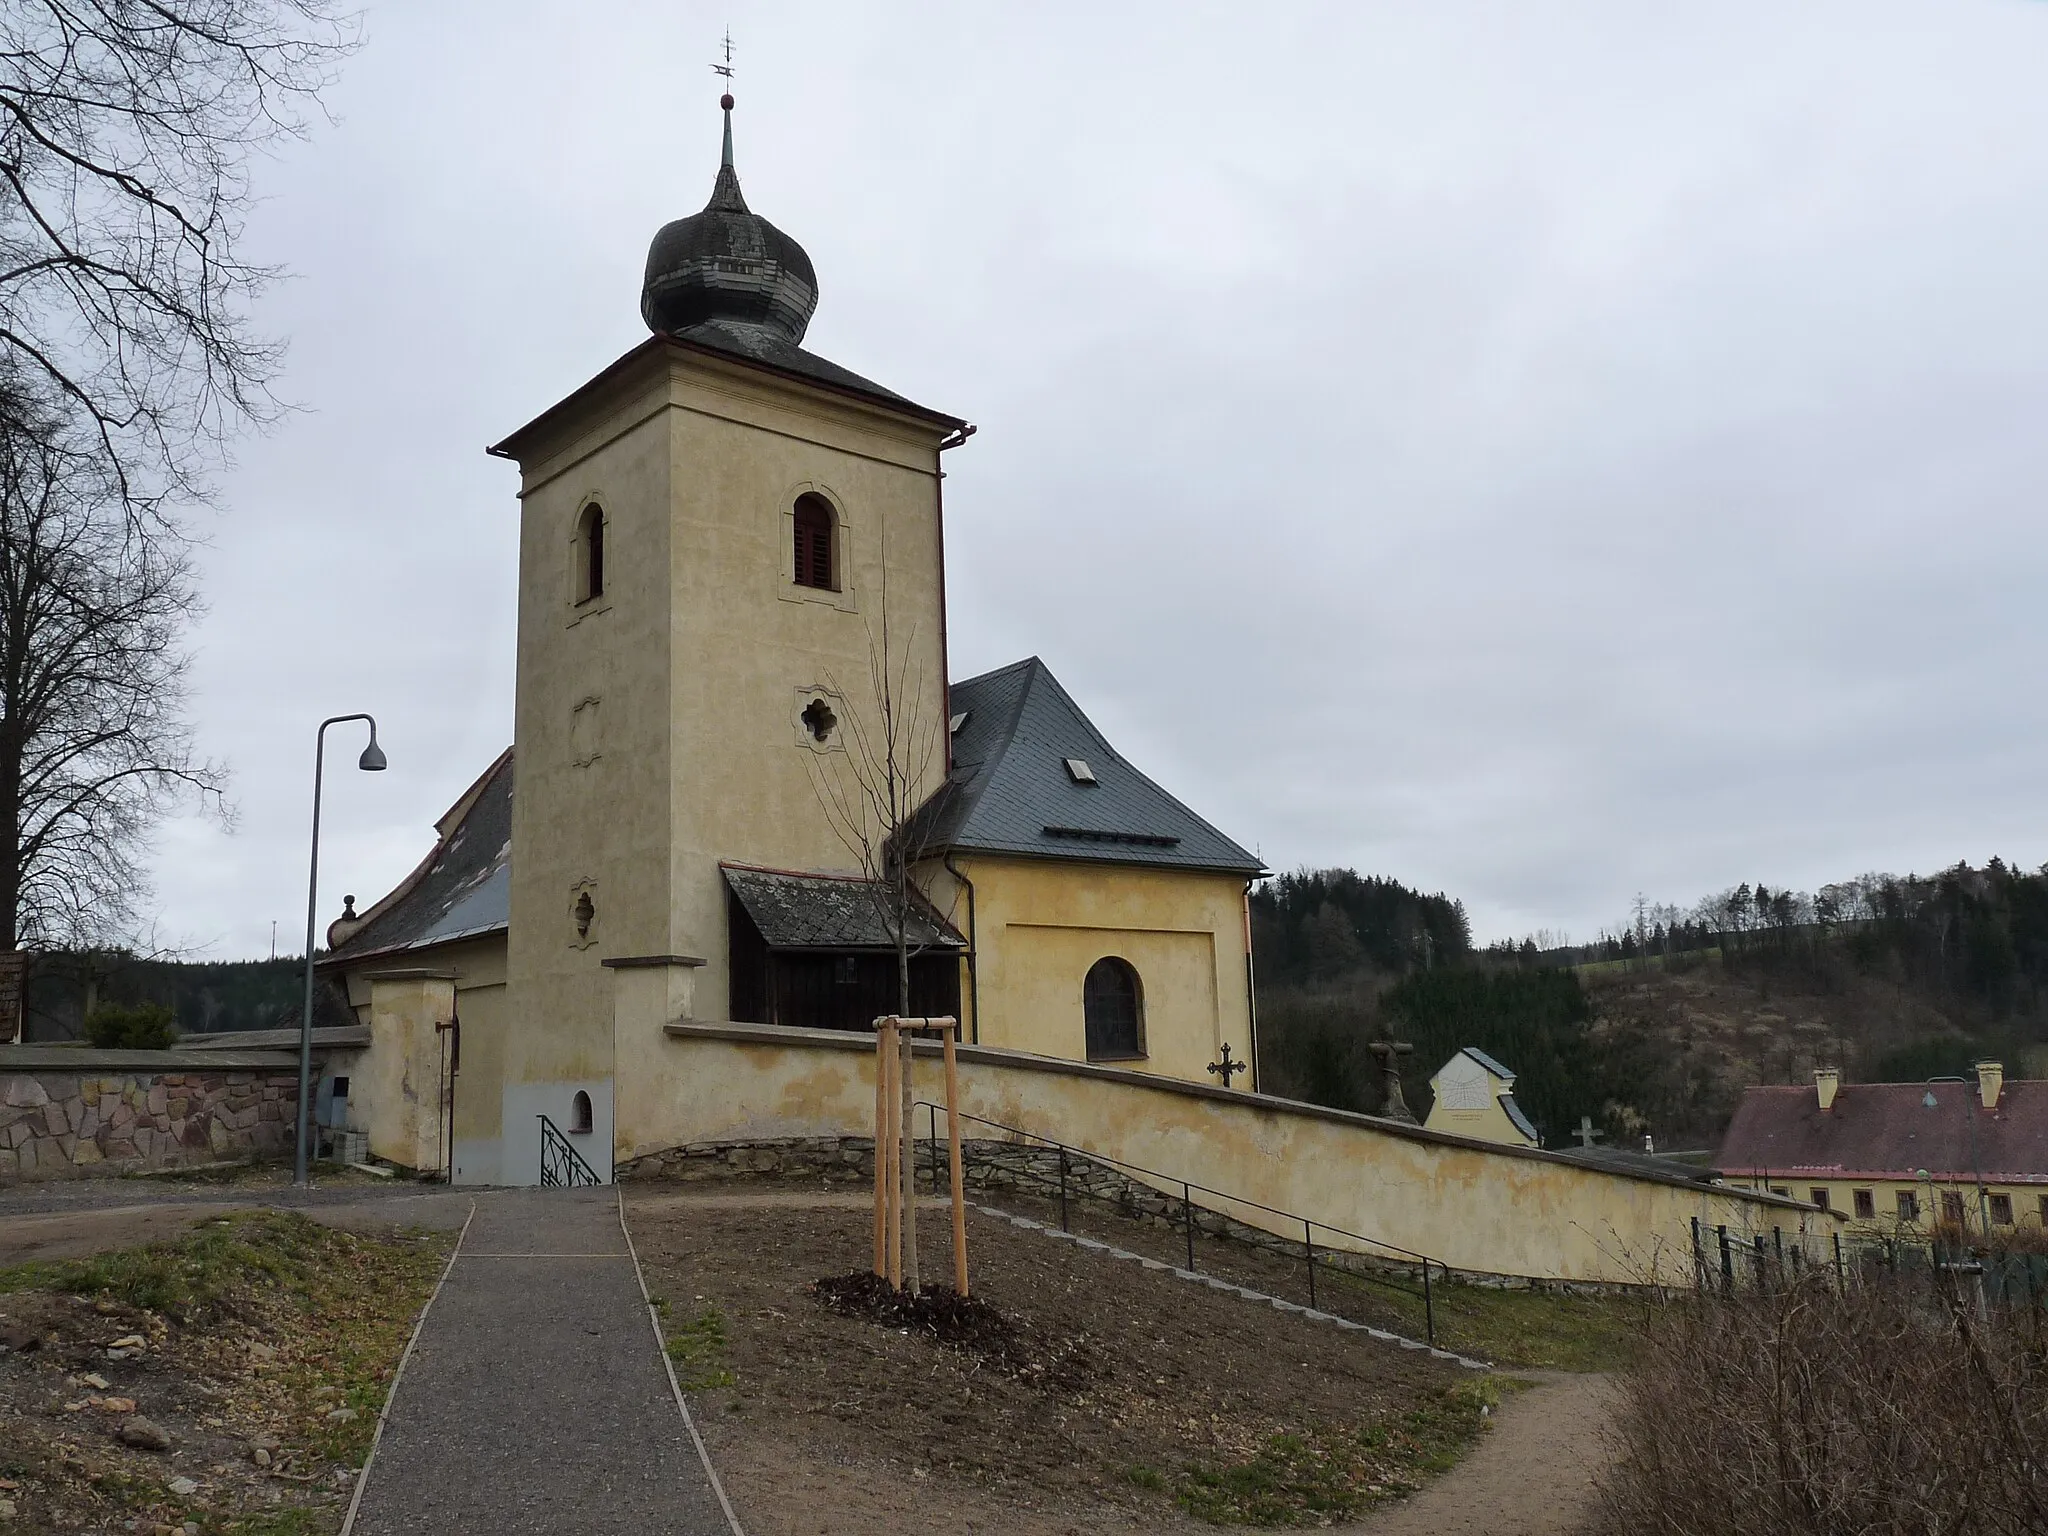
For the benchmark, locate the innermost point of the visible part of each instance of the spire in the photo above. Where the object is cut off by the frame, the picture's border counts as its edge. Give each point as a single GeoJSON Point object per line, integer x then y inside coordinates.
{"type": "Point", "coordinates": [727, 265]}
{"type": "Point", "coordinates": [725, 192]}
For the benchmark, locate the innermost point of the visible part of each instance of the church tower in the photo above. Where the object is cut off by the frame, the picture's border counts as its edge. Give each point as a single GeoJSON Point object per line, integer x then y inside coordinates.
{"type": "Point", "coordinates": [709, 529]}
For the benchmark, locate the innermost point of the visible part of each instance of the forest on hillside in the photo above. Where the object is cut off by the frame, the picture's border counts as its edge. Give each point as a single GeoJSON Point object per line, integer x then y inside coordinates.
{"type": "Point", "coordinates": [1657, 1026]}
{"type": "Point", "coordinates": [203, 996]}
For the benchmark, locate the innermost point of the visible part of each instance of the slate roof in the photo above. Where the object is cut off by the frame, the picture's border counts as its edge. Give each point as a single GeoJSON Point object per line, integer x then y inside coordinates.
{"type": "Point", "coordinates": [462, 889]}
{"type": "Point", "coordinates": [1010, 791]}
{"type": "Point", "coordinates": [1621, 1159]}
{"type": "Point", "coordinates": [1886, 1131]}
{"type": "Point", "coordinates": [1489, 1063]}
{"type": "Point", "coordinates": [325, 1037]}
{"type": "Point", "coordinates": [827, 912]}
{"type": "Point", "coordinates": [758, 344]}
{"type": "Point", "coordinates": [1517, 1119]}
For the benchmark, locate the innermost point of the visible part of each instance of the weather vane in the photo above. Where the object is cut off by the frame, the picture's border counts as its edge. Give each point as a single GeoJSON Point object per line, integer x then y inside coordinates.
{"type": "Point", "coordinates": [725, 68]}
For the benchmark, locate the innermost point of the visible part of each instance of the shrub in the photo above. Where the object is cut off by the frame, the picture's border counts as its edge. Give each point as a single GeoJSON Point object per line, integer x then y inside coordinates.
{"type": "Point", "coordinates": [140, 1027]}
{"type": "Point", "coordinates": [1899, 1405]}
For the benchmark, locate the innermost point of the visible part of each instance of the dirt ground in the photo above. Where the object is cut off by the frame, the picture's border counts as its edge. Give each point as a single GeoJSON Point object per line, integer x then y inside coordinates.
{"type": "Point", "coordinates": [1155, 1397]}
{"type": "Point", "coordinates": [1531, 1474]}
{"type": "Point", "coordinates": [224, 1382]}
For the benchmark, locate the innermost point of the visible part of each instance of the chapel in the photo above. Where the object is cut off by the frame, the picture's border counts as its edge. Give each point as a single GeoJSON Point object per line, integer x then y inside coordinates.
{"type": "Point", "coordinates": [733, 716]}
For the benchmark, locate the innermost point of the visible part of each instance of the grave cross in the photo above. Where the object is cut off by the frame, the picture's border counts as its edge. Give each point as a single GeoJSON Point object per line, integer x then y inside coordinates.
{"type": "Point", "coordinates": [1586, 1134]}
{"type": "Point", "coordinates": [1226, 1067]}
{"type": "Point", "coordinates": [1390, 1053]}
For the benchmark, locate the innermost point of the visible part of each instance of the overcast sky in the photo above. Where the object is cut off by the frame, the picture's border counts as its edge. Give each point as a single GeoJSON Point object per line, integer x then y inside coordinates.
{"type": "Point", "coordinates": [1536, 451]}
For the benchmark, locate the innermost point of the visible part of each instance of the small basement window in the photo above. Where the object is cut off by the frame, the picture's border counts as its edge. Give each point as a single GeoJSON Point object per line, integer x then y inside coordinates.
{"type": "Point", "coordinates": [1865, 1204]}
{"type": "Point", "coordinates": [1079, 771]}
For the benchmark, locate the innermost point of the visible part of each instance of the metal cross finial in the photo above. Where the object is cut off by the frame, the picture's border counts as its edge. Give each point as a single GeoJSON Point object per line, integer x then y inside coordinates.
{"type": "Point", "coordinates": [1226, 1067]}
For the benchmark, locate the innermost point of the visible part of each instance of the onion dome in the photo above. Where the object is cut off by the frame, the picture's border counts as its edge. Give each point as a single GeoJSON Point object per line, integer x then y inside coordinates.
{"type": "Point", "coordinates": [728, 265]}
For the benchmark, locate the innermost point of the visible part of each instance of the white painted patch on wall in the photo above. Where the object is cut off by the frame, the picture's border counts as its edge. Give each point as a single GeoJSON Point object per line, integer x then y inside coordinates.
{"type": "Point", "coordinates": [525, 1103]}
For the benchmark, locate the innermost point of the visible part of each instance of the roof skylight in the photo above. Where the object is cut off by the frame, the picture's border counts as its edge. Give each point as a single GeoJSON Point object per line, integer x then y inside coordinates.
{"type": "Point", "coordinates": [1079, 771]}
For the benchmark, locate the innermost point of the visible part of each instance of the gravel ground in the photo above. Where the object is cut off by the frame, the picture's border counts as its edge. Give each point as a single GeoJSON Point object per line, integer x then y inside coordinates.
{"type": "Point", "coordinates": [829, 1424]}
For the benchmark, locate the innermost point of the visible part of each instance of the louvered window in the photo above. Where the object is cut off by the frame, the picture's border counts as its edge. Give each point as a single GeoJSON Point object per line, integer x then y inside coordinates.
{"type": "Point", "coordinates": [814, 544]}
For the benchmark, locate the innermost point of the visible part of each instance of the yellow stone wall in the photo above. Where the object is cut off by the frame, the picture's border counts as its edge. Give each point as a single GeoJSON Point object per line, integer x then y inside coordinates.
{"type": "Point", "coordinates": [1039, 924]}
{"type": "Point", "coordinates": [699, 656]}
{"type": "Point", "coordinates": [1470, 1204]}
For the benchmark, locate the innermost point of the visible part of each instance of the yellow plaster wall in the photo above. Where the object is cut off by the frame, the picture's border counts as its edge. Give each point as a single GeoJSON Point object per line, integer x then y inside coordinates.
{"type": "Point", "coordinates": [697, 653]}
{"type": "Point", "coordinates": [1488, 1124]}
{"type": "Point", "coordinates": [2029, 1201]}
{"type": "Point", "coordinates": [1039, 924]}
{"type": "Point", "coordinates": [402, 1065]}
{"type": "Point", "coordinates": [1471, 1205]}
{"type": "Point", "coordinates": [476, 970]}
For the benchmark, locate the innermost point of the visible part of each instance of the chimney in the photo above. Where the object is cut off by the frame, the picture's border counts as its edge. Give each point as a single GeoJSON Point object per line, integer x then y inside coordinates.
{"type": "Point", "coordinates": [1825, 1081]}
{"type": "Point", "coordinates": [1990, 1081]}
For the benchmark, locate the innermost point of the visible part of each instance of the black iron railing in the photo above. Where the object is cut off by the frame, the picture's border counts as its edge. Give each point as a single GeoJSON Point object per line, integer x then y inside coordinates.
{"type": "Point", "coordinates": [561, 1165]}
{"type": "Point", "coordinates": [1384, 1263]}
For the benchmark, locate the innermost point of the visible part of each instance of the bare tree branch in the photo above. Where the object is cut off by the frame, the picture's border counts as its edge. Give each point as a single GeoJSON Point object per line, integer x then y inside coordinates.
{"type": "Point", "coordinates": [126, 132]}
{"type": "Point", "coordinates": [94, 746]}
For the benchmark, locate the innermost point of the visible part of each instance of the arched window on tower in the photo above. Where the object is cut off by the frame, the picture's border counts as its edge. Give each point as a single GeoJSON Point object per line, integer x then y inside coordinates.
{"type": "Point", "coordinates": [813, 564]}
{"type": "Point", "coordinates": [590, 553]}
{"type": "Point", "coordinates": [1113, 1008]}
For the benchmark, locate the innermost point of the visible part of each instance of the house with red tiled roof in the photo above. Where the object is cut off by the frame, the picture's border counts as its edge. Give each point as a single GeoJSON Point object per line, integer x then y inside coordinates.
{"type": "Point", "coordinates": [1899, 1156]}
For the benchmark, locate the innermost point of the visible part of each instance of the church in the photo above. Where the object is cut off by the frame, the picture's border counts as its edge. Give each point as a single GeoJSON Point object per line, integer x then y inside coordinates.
{"type": "Point", "coordinates": [733, 722]}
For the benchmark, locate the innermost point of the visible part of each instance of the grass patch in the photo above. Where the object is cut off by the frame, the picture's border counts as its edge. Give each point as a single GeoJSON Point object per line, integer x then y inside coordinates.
{"type": "Point", "coordinates": [1329, 1473]}
{"type": "Point", "coordinates": [1534, 1329]}
{"type": "Point", "coordinates": [192, 1278]}
{"type": "Point", "coordinates": [698, 1350]}
{"type": "Point", "coordinates": [260, 1322]}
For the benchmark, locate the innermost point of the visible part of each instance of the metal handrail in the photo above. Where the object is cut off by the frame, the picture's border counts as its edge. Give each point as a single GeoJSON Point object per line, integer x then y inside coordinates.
{"type": "Point", "coordinates": [1189, 1188]}
{"type": "Point", "coordinates": [561, 1165]}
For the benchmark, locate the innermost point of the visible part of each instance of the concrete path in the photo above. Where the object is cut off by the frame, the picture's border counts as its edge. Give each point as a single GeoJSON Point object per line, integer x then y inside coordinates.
{"type": "Point", "coordinates": [536, 1399]}
{"type": "Point", "coordinates": [1531, 1474]}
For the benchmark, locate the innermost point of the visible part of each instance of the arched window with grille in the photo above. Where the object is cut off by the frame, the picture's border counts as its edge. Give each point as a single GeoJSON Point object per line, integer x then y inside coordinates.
{"type": "Point", "coordinates": [813, 566]}
{"type": "Point", "coordinates": [1113, 1005]}
{"type": "Point", "coordinates": [590, 553]}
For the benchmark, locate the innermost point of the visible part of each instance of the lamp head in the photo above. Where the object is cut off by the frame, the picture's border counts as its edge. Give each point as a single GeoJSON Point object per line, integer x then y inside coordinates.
{"type": "Point", "coordinates": [372, 760]}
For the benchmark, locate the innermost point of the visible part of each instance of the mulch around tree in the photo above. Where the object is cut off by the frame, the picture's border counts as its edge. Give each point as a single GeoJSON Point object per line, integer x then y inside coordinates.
{"type": "Point", "coordinates": [1090, 1389]}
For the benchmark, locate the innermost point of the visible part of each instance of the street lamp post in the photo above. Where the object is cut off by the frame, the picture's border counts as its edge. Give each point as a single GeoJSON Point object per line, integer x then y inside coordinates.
{"type": "Point", "coordinates": [372, 761]}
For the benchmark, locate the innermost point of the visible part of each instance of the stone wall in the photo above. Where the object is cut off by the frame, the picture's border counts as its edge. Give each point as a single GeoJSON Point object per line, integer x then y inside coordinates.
{"type": "Point", "coordinates": [56, 1125]}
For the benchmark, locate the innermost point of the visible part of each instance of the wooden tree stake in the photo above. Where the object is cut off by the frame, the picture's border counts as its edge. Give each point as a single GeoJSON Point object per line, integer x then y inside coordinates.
{"type": "Point", "coordinates": [953, 1153]}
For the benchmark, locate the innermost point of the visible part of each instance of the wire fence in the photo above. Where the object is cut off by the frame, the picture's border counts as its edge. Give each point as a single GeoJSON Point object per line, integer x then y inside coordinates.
{"type": "Point", "coordinates": [2001, 1275]}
